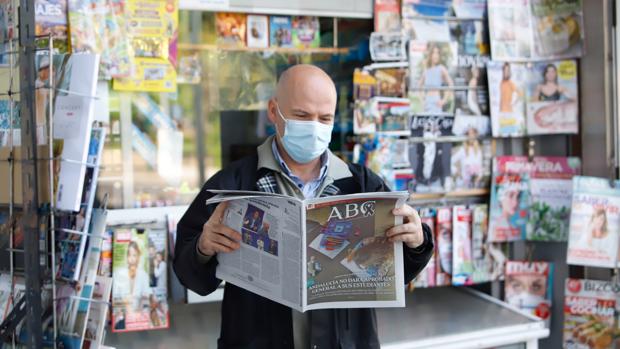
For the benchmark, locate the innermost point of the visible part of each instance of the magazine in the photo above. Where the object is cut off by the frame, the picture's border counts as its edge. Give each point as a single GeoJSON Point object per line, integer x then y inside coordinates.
{"type": "Point", "coordinates": [507, 83]}
{"type": "Point", "coordinates": [280, 31]}
{"type": "Point", "coordinates": [391, 82]}
{"type": "Point", "coordinates": [470, 8]}
{"type": "Point", "coordinates": [589, 320]}
{"type": "Point", "coordinates": [338, 258]}
{"type": "Point", "coordinates": [594, 223]}
{"type": "Point", "coordinates": [488, 258]}
{"type": "Point", "coordinates": [393, 117]}
{"type": "Point", "coordinates": [365, 116]}
{"type": "Point", "coordinates": [97, 316]}
{"type": "Point", "coordinates": [387, 47]}
{"type": "Point", "coordinates": [99, 26]}
{"type": "Point", "coordinates": [443, 247]}
{"type": "Point", "coordinates": [258, 31]}
{"type": "Point", "coordinates": [51, 19]}
{"type": "Point", "coordinates": [10, 124]}
{"type": "Point", "coordinates": [364, 85]}
{"type": "Point", "coordinates": [551, 189]}
{"type": "Point", "coordinates": [432, 66]}
{"type": "Point", "coordinates": [547, 29]}
{"type": "Point", "coordinates": [105, 265]}
{"type": "Point", "coordinates": [462, 259]}
{"type": "Point", "coordinates": [139, 259]}
{"type": "Point", "coordinates": [387, 16]}
{"type": "Point", "coordinates": [552, 98]}
{"type": "Point", "coordinates": [231, 29]}
{"type": "Point", "coordinates": [306, 32]}
{"type": "Point", "coordinates": [8, 29]}
{"type": "Point", "coordinates": [427, 276]}
{"type": "Point", "coordinates": [472, 126]}
{"type": "Point", "coordinates": [529, 287]}
{"type": "Point", "coordinates": [423, 19]}
{"type": "Point", "coordinates": [430, 158]}
{"type": "Point", "coordinates": [470, 165]}
{"type": "Point", "coordinates": [508, 213]}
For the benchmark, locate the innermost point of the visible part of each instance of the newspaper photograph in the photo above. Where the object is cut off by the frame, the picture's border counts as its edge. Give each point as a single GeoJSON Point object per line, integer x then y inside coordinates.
{"type": "Point", "coordinates": [321, 253]}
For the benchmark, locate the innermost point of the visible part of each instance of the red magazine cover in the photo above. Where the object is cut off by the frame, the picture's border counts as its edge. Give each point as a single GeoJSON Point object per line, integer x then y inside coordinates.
{"type": "Point", "coordinates": [443, 247]}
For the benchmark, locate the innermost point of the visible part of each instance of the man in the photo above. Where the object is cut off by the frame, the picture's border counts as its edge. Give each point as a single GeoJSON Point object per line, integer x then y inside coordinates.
{"type": "Point", "coordinates": [295, 162]}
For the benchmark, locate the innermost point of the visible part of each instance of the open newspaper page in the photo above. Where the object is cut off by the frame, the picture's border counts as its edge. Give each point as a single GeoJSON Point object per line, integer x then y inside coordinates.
{"type": "Point", "coordinates": [269, 261]}
{"type": "Point", "coordinates": [348, 261]}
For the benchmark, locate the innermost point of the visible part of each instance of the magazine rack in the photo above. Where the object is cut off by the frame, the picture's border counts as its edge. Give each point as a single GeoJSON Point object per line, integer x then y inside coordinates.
{"type": "Point", "coordinates": [38, 220]}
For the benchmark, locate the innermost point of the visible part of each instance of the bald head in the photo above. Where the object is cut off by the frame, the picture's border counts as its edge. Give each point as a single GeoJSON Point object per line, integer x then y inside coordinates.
{"type": "Point", "coordinates": [305, 81]}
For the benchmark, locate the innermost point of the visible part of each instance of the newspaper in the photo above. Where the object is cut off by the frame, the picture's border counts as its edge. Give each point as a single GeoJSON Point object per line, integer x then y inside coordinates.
{"type": "Point", "coordinates": [315, 254]}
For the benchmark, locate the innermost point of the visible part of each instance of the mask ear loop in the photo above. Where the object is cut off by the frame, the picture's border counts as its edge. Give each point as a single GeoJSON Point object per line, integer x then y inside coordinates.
{"type": "Point", "coordinates": [279, 112]}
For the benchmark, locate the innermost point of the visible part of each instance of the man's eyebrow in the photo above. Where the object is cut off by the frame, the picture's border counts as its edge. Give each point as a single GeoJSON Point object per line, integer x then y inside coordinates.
{"type": "Point", "coordinates": [300, 111]}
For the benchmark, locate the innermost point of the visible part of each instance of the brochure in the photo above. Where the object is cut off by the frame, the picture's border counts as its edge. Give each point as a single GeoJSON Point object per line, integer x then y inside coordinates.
{"type": "Point", "coordinates": [280, 31]}
{"type": "Point", "coordinates": [306, 32]}
{"type": "Point", "coordinates": [432, 66]}
{"type": "Point", "coordinates": [387, 16]}
{"type": "Point", "coordinates": [529, 287]}
{"type": "Point", "coordinates": [462, 261]}
{"type": "Point", "coordinates": [139, 290]}
{"type": "Point", "coordinates": [507, 98]}
{"type": "Point", "coordinates": [594, 223]}
{"type": "Point", "coordinates": [589, 320]}
{"type": "Point", "coordinates": [547, 29]}
{"type": "Point", "coordinates": [258, 31]}
{"type": "Point", "coordinates": [552, 98]}
{"type": "Point", "coordinates": [551, 190]}
{"type": "Point", "coordinates": [315, 254]}
{"type": "Point", "coordinates": [424, 19]}
{"type": "Point", "coordinates": [509, 198]}
{"type": "Point", "coordinates": [387, 46]}
{"type": "Point", "coordinates": [427, 276]}
{"type": "Point", "coordinates": [430, 158]}
{"type": "Point", "coordinates": [443, 247]}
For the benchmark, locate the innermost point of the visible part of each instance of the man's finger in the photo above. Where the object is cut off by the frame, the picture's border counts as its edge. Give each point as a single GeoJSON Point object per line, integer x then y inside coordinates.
{"type": "Point", "coordinates": [225, 241]}
{"type": "Point", "coordinates": [217, 247]}
{"type": "Point", "coordinates": [228, 232]}
{"type": "Point", "coordinates": [408, 212]}
{"type": "Point", "coordinates": [218, 214]}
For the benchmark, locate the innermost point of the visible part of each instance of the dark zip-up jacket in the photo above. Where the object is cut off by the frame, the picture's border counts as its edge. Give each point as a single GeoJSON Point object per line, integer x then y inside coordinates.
{"type": "Point", "coordinates": [252, 321]}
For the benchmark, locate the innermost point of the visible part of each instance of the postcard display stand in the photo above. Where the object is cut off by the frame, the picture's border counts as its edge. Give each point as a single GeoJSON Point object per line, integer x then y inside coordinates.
{"type": "Point", "coordinates": [449, 82]}
{"type": "Point", "coordinates": [52, 235]}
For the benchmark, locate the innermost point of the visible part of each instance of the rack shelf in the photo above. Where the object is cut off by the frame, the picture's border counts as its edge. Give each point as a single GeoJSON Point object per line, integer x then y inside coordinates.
{"type": "Point", "coordinates": [450, 195]}
{"type": "Point", "coordinates": [289, 50]}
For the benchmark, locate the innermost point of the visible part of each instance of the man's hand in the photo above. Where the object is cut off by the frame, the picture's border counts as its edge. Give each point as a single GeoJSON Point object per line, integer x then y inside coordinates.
{"type": "Point", "coordinates": [216, 237]}
{"type": "Point", "coordinates": [410, 232]}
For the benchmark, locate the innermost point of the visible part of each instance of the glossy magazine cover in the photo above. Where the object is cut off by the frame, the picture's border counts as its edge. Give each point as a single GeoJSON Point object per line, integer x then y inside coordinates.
{"type": "Point", "coordinates": [462, 261]}
{"type": "Point", "coordinates": [280, 31]}
{"type": "Point", "coordinates": [306, 32]}
{"type": "Point", "coordinates": [528, 287]}
{"type": "Point", "coordinates": [431, 157]}
{"type": "Point", "coordinates": [551, 189]}
{"type": "Point", "coordinates": [589, 320]}
{"type": "Point", "coordinates": [427, 276]}
{"type": "Point", "coordinates": [443, 247]}
{"type": "Point", "coordinates": [507, 82]}
{"type": "Point", "coordinates": [594, 223]}
{"type": "Point", "coordinates": [387, 16]}
{"type": "Point", "coordinates": [423, 19]}
{"type": "Point", "coordinates": [231, 29]}
{"type": "Point", "coordinates": [508, 213]}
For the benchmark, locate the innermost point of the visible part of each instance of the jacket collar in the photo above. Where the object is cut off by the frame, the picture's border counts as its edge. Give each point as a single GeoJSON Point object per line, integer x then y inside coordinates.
{"type": "Point", "coordinates": [336, 168]}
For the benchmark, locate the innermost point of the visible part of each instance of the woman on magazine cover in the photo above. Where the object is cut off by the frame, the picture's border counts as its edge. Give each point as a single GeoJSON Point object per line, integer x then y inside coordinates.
{"type": "Point", "coordinates": [467, 162]}
{"type": "Point", "coordinates": [435, 74]}
{"type": "Point", "coordinates": [131, 283]}
{"type": "Point", "coordinates": [597, 238]}
{"type": "Point", "coordinates": [472, 91]}
{"type": "Point", "coordinates": [549, 89]}
{"type": "Point", "coordinates": [509, 93]}
{"type": "Point", "coordinates": [508, 198]}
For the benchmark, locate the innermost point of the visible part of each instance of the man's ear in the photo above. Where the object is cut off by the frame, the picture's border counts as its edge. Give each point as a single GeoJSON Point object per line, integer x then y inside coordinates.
{"type": "Point", "coordinates": [271, 110]}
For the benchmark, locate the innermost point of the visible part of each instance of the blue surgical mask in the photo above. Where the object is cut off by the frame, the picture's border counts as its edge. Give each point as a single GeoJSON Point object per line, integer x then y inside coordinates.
{"type": "Point", "coordinates": [305, 141]}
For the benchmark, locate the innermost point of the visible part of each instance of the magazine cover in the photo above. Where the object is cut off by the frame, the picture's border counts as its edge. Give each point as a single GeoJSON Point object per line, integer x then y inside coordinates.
{"type": "Point", "coordinates": [472, 97]}
{"type": "Point", "coordinates": [97, 316]}
{"type": "Point", "coordinates": [548, 30]}
{"type": "Point", "coordinates": [427, 276]}
{"type": "Point", "coordinates": [551, 191]}
{"type": "Point", "coordinates": [470, 8]}
{"type": "Point", "coordinates": [432, 66]}
{"type": "Point", "coordinates": [472, 126]}
{"type": "Point", "coordinates": [507, 83]}
{"type": "Point", "coordinates": [230, 28]}
{"type": "Point", "coordinates": [400, 179]}
{"type": "Point", "coordinates": [280, 31]}
{"type": "Point", "coordinates": [473, 40]}
{"type": "Point", "coordinates": [443, 247]}
{"type": "Point", "coordinates": [529, 286]}
{"type": "Point", "coordinates": [99, 26]}
{"type": "Point", "coordinates": [431, 159]}
{"type": "Point", "coordinates": [423, 19]}
{"type": "Point", "coordinates": [391, 82]}
{"type": "Point", "coordinates": [8, 28]}
{"type": "Point", "coordinates": [470, 165]}
{"type": "Point", "coordinates": [387, 46]}
{"type": "Point", "coordinates": [488, 259]}
{"type": "Point", "coordinates": [387, 16]}
{"type": "Point", "coordinates": [462, 259]}
{"type": "Point", "coordinates": [365, 116]}
{"type": "Point", "coordinates": [589, 320]}
{"type": "Point", "coordinates": [393, 117]}
{"type": "Point", "coordinates": [306, 32]}
{"type": "Point", "coordinates": [258, 31]}
{"type": "Point", "coordinates": [364, 85]}
{"type": "Point", "coordinates": [139, 287]}
{"type": "Point", "coordinates": [51, 18]}
{"type": "Point", "coordinates": [10, 124]}
{"type": "Point", "coordinates": [105, 264]}
{"type": "Point", "coordinates": [594, 223]}
{"type": "Point", "coordinates": [508, 213]}
{"type": "Point", "coordinates": [552, 98]}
